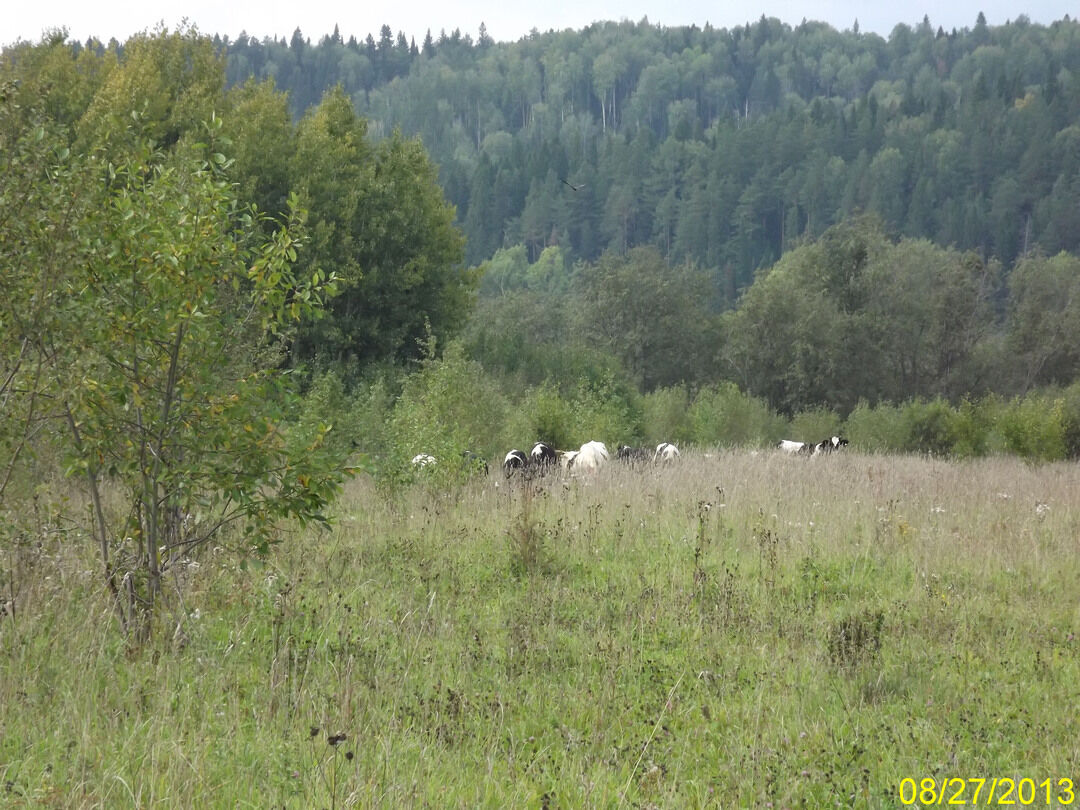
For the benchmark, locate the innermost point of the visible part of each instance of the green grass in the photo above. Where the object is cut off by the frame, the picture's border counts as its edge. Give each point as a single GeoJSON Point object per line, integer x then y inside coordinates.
{"type": "Point", "coordinates": [733, 631]}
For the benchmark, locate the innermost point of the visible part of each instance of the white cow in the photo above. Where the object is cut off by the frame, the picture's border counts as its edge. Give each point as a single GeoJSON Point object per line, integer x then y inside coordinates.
{"type": "Point", "coordinates": [789, 446]}
{"type": "Point", "coordinates": [666, 451]}
{"type": "Point", "coordinates": [591, 457]}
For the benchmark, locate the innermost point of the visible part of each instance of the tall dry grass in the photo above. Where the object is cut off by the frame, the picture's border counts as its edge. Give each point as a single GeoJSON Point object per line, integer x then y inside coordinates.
{"type": "Point", "coordinates": [733, 630]}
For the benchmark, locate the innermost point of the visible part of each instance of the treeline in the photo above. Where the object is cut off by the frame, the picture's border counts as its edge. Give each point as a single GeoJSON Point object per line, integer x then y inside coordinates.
{"type": "Point", "coordinates": [854, 316]}
{"type": "Point", "coordinates": [452, 404]}
{"type": "Point", "coordinates": [723, 147]}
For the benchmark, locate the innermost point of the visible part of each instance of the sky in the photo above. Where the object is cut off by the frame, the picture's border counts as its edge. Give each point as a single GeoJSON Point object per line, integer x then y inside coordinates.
{"type": "Point", "coordinates": [505, 21]}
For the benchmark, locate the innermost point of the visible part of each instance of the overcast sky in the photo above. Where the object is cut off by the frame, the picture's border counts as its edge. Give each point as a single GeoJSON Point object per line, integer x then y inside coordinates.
{"type": "Point", "coordinates": [27, 19]}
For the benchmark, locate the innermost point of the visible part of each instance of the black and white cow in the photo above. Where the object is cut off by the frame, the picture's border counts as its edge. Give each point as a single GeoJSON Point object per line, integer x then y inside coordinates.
{"type": "Point", "coordinates": [796, 448]}
{"type": "Point", "coordinates": [829, 445]}
{"type": "Point", "coordinates": [543, 456]}
{"type": "Point", "coordinates": [515, 462]}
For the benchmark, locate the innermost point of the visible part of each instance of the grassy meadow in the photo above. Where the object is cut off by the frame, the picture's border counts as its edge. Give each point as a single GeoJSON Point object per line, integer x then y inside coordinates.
{"type": "Point", "coordinates": [736, 630]}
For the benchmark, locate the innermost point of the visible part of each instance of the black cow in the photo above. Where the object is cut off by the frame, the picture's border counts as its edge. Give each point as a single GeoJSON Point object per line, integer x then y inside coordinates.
{"type": "Point", "coordinates": [633, 456]}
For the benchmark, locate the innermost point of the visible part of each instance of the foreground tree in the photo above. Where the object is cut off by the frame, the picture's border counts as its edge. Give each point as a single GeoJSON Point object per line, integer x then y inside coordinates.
{"type": "Point", "coordinates": [158, 352]}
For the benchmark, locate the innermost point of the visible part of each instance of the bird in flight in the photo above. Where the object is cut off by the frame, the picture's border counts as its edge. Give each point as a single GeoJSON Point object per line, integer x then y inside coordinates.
{"type": "Point", "coordinates": [575, 188]}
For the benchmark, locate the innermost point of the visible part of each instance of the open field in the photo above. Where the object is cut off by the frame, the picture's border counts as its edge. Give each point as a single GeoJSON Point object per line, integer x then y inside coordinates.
{"type": "Point", "coordinates": [735, 630]}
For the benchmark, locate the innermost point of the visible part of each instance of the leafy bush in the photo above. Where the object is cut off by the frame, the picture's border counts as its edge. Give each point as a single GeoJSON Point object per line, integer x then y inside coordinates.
{"type": "Point", "coordinates": [605, 409]}
{"type": "Point", "coordinates": [1034, 427]}
{"type": "Point", "coordinates": [542, 415]}
{"type": "Point", "coordinates": [665, 415]}
{"type": "Point", "coordinates": [815, 424]}
{"type": "Point", "coordinates": [1070, 420]}
{"type": "Point", "coordinates": [446, 408]}
{"type": "Point", "coordinates": [722, 414]}
{"type": "Point", "coordinates": [876, 429]}
{"type": "Point", "coordinates": [932, 426]}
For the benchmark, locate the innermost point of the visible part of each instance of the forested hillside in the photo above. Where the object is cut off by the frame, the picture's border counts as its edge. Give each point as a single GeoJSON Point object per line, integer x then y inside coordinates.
{"type": "Point", "coordinates": [685, 234]}
{"type": "Point", "coordinates": [723, 147]}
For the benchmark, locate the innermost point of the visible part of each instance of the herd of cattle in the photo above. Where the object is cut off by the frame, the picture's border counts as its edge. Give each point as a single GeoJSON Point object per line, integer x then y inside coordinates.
{"type": "Point", "coordinates": [591, 456]}
{"type": "Point", "coordinates": [812, 448]}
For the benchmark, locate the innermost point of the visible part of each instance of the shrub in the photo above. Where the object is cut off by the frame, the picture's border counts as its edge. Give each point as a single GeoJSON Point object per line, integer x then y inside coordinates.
{"type": "Point", "coordinates": [606, 410]}
{"type": "Point", "coordinates": [722, 414]}
{"type": "Point", "coordinates": [543, 415]}
{"type": "Point", "coordinates": [931, 426]}
{"type": "Point", "coordinates": [1070, 420]}
{"type": "Point", "coordinates": [447, 407]}
{"type": "Point", "coordinates": [815, 424]}
{"type": "Point", "coordinates": [877, 429]}
{"type": "Point", "coordinates": [1034, 427]}
{"type": "Point", "coordinates": [665, 415]}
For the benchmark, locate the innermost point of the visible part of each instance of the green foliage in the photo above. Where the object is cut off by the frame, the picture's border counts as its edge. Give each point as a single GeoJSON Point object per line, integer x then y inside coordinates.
{"type": "Point", "coordinates": [601, 409]}
{"type": "Point", "coordinates": [665, 415]}
{"type": "Point", "coordinates": [652, 317]}
{"type": "Point", "coordinates": [725, 147]}
{"type": "Point", "coordinates": [543, 414]}
{"type": "Point", "coordinates": [876, 429]}
{"type": "Point", "coordinates": [43, 188]}
{"type": "Point", "coordinates": [446, 408]}
{"type": "Point", "coordinates": [814, 425]}
{"type": "Point", "coordinates": [1070, 414]}
{"type": "Point", "coordinates": [931, 426]}
{"type": "Point", "coordinates": [1033, 427]}
{"type": "Point", "coordinates": [380, 222]}
{"type": "Point", "coordinates": [1044, 319]}
{"type": "Point", "coordinates": [333, 422]}
{"type": "Point", "coordinates": [263, 139]}
{"type": "Point", "coordinates": [173, 81]}
{"type": "Point", "coordinates": [166, 305]}
{"type": "Point", "coordinates": [723, 415]}
{"type": "Point", "coordinates": [605, 409]}
{"type": "Point", "coordinates": [855, 315]}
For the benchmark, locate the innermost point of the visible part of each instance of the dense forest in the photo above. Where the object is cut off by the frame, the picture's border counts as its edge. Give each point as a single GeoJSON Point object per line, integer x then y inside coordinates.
{"type": "Point", "coordinates": [722, 147]}
{"type": "Point", "coordinates": [608, 231]}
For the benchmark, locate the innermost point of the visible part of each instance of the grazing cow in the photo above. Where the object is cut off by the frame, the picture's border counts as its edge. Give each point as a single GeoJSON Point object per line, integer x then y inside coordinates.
{"type": "Point", "coordinates": [515, 461]}
{"type": "Point", "coordinates": [666, 451]}
{"type": "Point", "coordinates": [802, 448]}
{"type": "Point", "coordinates": [633, 455]}
{"type": "Point", "coordinates": [422, 460]}
{"type": "Point", "coordinates": [828, 445]}
{"type": "Point", "coordinates": [566, 458]}
{"type": "Point", "coordinates": [591, 457]}
{"type": "Point", "coordinates": [474, 462]}
{"type": "Point", "coordinates": [543, 456]}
